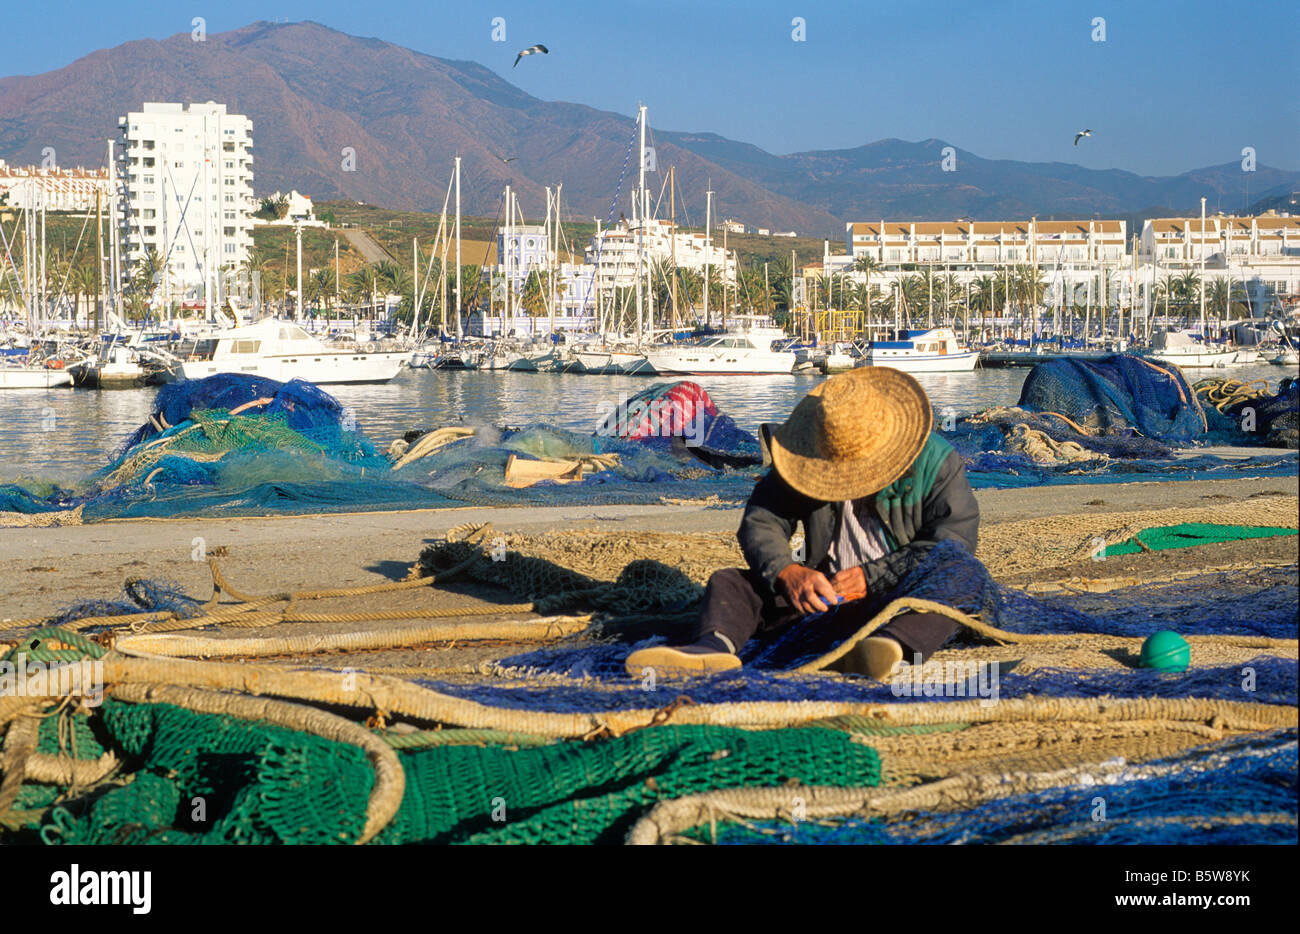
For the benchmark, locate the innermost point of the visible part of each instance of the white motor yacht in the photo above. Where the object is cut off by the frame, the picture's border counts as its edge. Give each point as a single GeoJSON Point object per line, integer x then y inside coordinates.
{"type": "Point", "coordinates": [283, 351]}
{"type": "Point", "coordinates": [745, 350]}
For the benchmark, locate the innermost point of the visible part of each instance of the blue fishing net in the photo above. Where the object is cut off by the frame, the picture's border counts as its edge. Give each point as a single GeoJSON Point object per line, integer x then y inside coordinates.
{"type": "Point", "coordinates": [602, 684]}
{"type": "Point", "coordinates": [1117, 394]}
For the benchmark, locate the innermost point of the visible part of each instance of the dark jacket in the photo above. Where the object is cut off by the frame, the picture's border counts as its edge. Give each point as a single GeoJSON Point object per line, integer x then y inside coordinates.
{"type": "Point", "coordinates": [932, 501]}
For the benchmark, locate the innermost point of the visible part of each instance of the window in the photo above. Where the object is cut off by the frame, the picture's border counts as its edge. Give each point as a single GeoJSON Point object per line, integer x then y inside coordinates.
{"type": "Point", "coordinates": [230, 215]}
{"type": "Point", "coordinates": [228, 231]}
{"type": "Point", "coordinates": [230, 199]}
{"type": "Point", "coordinates": [230, 248]}
{"type": "Point", "coordinates": [178, 165]}
{"type": "Point", "coordinates": [230, 163]}
{"type": "Point", "coordinates": [245, 346]}
{"type": "Point", "coordinates": [148, 179]}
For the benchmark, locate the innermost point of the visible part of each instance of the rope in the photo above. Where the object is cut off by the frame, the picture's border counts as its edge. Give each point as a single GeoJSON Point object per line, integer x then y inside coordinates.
{"type": "Point", "coordinates": [669, 818]}
{"type": "Point", "coordinates": [394, 697]}
{"type": "Point", "coordinates": [160, 645]}
{"type": "Point", "coordinates": [912, 604]}
{"type": "Point", "coordinates": [1224, 393]}
{"type": "Point", "coordinates": [20, 743]}
{"type": "Point", "coordinates": [426, 739]}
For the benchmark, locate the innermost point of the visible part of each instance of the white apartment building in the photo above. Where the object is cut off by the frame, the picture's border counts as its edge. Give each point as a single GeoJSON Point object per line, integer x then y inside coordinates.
{"type": "Point", "coordinates": [54, 189]}
{"type": "Point", "coordinates": [614, 252]}
{"type": "Point", "coordinates": [1263, 252]}
{"type": "Point", "coordinates": [187, 175]}
{"type": "Point", "coordinates": [985, 245]}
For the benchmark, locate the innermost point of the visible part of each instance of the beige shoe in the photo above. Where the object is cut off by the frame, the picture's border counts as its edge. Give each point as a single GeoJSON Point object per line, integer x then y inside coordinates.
{"type": "Point", "coordinates": [673, 661]}
{"type": "Point", "coordinates": [875, 656]}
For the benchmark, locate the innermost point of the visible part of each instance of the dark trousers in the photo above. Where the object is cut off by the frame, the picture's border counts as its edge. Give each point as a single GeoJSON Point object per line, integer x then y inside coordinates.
{"type": "Point", "coordinates": [738, 604]}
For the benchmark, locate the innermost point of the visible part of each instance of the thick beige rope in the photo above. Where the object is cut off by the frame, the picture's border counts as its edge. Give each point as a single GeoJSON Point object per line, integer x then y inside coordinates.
{"type": "Point", "coordinates": [395, 697]}
{"type": "Point", "coordinates": [158, 645]}
{"type": "Point", "coordinates": [912, 604]}
{"type": "Point", "coordinates": [390, 780]}
{"type": "Point", "coordinates": [669, 818]}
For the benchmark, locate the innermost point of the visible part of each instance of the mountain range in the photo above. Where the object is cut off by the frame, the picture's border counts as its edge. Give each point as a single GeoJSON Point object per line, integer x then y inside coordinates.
{"type": "Point", "coordinates": [311, 91]}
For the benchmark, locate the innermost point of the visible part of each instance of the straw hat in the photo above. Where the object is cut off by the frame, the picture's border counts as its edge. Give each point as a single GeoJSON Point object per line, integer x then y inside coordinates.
{"type": "Point", "coordinates": [853, 434]}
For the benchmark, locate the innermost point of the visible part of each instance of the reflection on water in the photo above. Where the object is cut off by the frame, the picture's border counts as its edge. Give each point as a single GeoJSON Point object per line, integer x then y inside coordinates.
{"type": "Point", "coordinates": [65, 434]}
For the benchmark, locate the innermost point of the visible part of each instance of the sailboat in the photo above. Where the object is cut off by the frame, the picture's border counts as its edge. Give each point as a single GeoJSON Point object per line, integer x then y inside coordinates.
{"type": "Point", "coordinates": [34, 370]}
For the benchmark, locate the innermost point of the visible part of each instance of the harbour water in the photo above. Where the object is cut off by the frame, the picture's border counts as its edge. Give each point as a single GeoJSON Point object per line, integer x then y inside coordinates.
{"type": "Point", "coordinates": [63, 435]}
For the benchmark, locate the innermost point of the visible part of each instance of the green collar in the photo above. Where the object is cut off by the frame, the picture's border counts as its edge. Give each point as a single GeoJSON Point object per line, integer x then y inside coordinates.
{"type": "Point", "coordinates": [914, 485]}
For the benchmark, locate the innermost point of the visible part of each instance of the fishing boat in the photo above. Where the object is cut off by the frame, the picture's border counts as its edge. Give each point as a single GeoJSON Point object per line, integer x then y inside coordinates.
{"type": "Point", "coordinates": [935, 350]}
{"type": "Point", "coordinates": [14, 376]}
{"type": "Point", "coordinates": [1182, 349]}
{"type": "Point", "coordinates": [283, 351]}
{"type": "Point", "coordinates": [113, 367]}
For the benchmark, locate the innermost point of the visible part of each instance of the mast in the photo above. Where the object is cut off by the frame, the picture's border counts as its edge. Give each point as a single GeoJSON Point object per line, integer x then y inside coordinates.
{"type": "Point", "coordinates": [336, 273]}
{"type": "Point", "coordinates": [114, 238]}
{"type": "Point", "coordinates": [550, 243]}
{"type": "Point", "coordinates": [41, 282]}
{"type": "Point", "coordinates": [1202, 288]}
{"type": "Point", "coordinates": [509, 307]}
{"type": "Point", "coordinates": [672, 212]}
{"type": "Point", "coordinates": [458, 331]}
{"type": "Point", "coordinates": [297, 229]}
{"type": "Point", "coordinates": [708, 250]}
{"type": "Point", "coordinates": [724, 277]}
{"type": "Point", "coordinates": [99, 256]}
{"type": "Point", "coordinates": [640, 238]}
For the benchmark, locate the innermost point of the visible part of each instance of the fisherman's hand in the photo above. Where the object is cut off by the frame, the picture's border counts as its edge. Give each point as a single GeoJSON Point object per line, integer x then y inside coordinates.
{"type": "Point", "coordinates": [851, 583]}
{"type": "Point", "coordinates": [807, 590]}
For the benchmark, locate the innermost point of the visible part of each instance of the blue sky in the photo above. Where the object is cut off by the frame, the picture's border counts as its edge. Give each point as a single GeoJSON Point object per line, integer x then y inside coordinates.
{"type": "Point", "coordinates": [1174, 86]}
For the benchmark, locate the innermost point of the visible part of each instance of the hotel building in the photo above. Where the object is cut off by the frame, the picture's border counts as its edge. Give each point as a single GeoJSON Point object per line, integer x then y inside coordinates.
{"type": "Point", "coordinates": [187, 182]}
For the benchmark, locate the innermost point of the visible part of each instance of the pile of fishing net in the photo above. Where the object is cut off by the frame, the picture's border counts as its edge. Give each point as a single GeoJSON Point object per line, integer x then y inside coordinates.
{"type": "Point", "coordinates": [1235, 409]}
{"type": "Point", "coordinates": [668, 442]}
{"type": "Point", "coordinates": [1122, 418]}
{"type": "Point", "coordinates": [234, 445]}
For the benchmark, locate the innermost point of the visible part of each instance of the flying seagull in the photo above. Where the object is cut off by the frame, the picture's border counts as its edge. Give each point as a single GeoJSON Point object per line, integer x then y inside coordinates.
{"type": "Point", "coordinates": [1079, 136]}
{"type": "Point", "coordinates": [531, 50]}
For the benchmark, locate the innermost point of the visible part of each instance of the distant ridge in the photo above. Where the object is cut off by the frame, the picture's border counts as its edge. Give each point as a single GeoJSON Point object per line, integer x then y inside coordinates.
{"type": "Point", "coordinates": [312, 90]}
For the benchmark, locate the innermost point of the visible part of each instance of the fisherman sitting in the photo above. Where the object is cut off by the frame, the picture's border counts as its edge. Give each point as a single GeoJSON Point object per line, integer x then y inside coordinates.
{"type": "Point", "coordinates": [857, 465]}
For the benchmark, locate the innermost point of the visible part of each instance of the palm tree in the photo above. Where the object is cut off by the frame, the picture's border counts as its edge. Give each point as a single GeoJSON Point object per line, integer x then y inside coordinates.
{"type": "Point", "coordinates": [1185, 290]}
{"type": "Point", "coordinates": [84, 281]}
{"type": "Point", "coordinates": [320, 287]}
{"type": "Point", "coordinates": [913, 294]}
